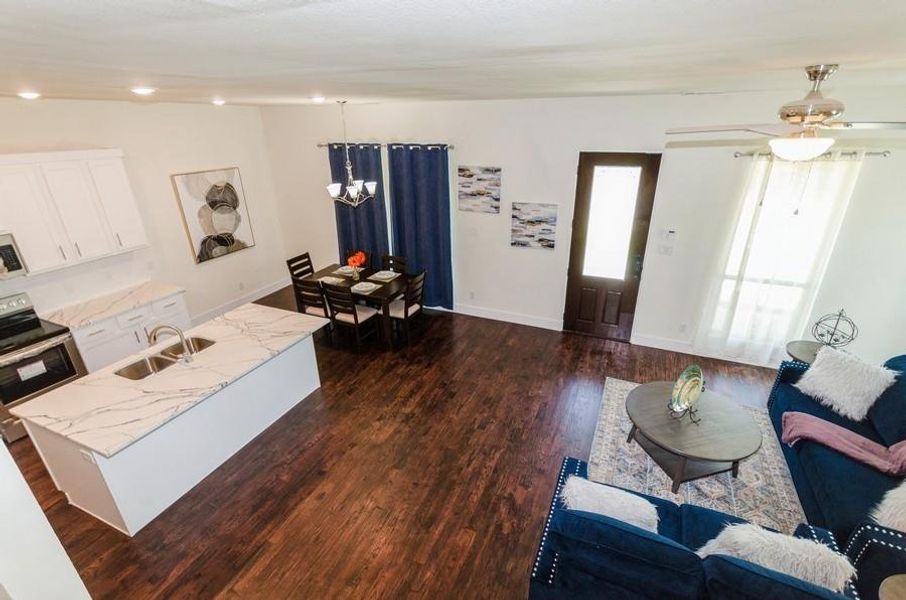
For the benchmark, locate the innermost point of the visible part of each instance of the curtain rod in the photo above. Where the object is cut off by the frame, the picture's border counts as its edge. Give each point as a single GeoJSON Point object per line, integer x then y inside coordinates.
{"type": "Point", "coordinates": [329, 144]}
{"type": "Point", "coordinates": [881, 154]}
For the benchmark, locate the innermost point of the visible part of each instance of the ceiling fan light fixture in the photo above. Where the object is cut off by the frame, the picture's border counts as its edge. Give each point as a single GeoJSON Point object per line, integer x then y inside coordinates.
{"type": "Point", "coordinates": [799, 147]}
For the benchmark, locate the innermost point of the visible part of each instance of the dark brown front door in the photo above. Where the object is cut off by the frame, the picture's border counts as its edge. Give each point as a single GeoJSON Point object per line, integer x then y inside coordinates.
{"type": "Point", "coordinates": [614, 197]}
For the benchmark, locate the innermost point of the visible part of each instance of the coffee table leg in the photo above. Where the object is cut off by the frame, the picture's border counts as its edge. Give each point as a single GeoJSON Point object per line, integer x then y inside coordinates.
{"type": "Point", "coordinates": [678, 479]}
{"type": "Point", "coordinates": [631, 434]}
{"type": "Point", "coordinates": [736, 469]}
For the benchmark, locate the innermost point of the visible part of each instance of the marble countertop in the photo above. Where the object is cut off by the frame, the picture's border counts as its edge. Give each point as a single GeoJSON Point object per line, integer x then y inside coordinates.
{"type": "Point", "coordinates": [82, 314]}
{"type": "Point", "coordinates": [105, 412]}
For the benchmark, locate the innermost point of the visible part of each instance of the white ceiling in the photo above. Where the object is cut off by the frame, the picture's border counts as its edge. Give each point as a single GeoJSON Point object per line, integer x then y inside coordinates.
{"type": "Point", "coordinates": [284, 51]}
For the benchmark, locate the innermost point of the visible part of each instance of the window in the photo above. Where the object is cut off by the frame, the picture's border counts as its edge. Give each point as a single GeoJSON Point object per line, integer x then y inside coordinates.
{"type": "Point", "coordinates": [785, 232]}
{"type": "Point", "coordinates": [613, 196]}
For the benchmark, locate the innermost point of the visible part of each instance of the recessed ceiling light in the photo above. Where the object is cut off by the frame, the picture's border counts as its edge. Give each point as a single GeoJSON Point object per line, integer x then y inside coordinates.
{"type": "Point", "coordinates": [218, 101]}
{"type": "Point", "coordinates": [29, 95]}
{"type": "Point", "coordinates": [143, 91]}
{"type": "Point", "coordinates": [318, 99]}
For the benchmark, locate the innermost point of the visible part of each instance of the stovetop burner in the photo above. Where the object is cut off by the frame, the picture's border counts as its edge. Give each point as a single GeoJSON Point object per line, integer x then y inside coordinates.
{"type": "Point", "coordinates": [20, 326]}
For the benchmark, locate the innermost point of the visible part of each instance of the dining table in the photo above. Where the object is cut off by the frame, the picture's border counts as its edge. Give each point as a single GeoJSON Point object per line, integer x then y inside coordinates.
{"type": "Point", "coordinates": [386, 293]}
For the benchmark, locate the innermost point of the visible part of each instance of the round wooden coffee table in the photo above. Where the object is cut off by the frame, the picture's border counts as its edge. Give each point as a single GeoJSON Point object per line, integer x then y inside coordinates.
{"type": "Point", "coordinates": [723, 438]}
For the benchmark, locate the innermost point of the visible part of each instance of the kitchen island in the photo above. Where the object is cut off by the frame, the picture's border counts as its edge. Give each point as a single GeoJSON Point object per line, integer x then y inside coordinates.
{"type": "Point", "coordinates": [125, 449]}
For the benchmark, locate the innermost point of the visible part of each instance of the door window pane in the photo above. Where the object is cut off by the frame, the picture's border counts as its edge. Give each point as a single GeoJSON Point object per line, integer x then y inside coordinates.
{"type": "Point", "coordinates": [613, 195]}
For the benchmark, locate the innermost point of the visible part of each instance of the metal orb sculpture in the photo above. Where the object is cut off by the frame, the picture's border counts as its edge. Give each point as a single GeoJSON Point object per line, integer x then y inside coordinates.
{"type": "Point", "coordinates": [835, 329]}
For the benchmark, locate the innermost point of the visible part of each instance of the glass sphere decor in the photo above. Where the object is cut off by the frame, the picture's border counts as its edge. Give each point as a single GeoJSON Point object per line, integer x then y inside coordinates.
{"type": "Point", "coordinates": [686, 392]}
{"type": "Point", "coordinates": [835, 329]}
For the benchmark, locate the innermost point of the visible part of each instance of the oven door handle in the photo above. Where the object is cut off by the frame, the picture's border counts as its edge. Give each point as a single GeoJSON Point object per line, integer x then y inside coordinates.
{"type": "Point", "coordinates": [33, 351]}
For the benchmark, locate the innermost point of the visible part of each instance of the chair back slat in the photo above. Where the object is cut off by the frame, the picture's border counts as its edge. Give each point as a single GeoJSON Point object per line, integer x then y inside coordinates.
{"type": "Point", "coordinates": [340, 301]}
{"type": "Point", "coordinates": [415, 290]}
{"type": "Point", "coordinates": [300, 266]}
{"type": "Point", "coordinates": [396, 264]}
{"type": "Point", "coordinates": [310, 294]}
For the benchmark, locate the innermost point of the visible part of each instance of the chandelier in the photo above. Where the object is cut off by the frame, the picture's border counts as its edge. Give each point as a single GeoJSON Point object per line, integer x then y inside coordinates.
{"type": "Point", "coordinates": [357, 190]}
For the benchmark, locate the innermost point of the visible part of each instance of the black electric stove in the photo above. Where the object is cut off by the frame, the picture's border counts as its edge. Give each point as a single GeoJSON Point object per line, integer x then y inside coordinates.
{"type": "Point", "coordinates": [35, 356]}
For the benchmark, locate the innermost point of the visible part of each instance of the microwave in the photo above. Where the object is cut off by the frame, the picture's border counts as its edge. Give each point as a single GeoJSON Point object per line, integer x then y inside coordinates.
{"type": "Point", "coordinates": [11, 263]}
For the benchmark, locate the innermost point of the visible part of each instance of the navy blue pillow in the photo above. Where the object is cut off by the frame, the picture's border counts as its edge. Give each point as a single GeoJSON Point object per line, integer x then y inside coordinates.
{"type": "Point", "coordinates": [888, 415]}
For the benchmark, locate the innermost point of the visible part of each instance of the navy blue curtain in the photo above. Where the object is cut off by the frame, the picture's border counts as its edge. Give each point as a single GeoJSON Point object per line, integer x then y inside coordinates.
{"type": "Point", "coordinates": [363, 227]}
{"type": "Point", "coordinates": [420, 215]}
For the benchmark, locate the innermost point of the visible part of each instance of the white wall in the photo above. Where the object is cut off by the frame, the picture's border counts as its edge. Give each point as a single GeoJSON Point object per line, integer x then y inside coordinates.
{"type": "Point", "coordinates": [158, 140]}
{"type": "Point", "coordinates": [33, 564]}
{"type": "Point", "coordinates": [866, 275]}
{"type": "Point", "coordinates": [537, 142]}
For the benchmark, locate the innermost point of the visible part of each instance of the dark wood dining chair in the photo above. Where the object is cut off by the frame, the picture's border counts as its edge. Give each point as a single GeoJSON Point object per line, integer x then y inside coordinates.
{"type": "Point", "coordinates": [345, 312]}
{"type": "Point", "coordinates": [310, 296]}
{"type": "Point", "coordinates": [349, 253]}
{"type": "Point", "coordinates": [300, 266]}
{"type": "Point", "coordinates": [393, 263]}
{"type": "Point", "coordinates": [405, 309]}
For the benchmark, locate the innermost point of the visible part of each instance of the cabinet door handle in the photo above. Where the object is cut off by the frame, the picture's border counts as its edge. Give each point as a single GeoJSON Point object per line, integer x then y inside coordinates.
{"type": "Point", "coordinates": [119, 240]}
{"type": "Point", "coordinates": [62, 253]}
{"type": "Point", "coordinates": [137, 339]}
{"type": "Point", "coordinates": [134, 318]}
{"type": "Point", "coordinates": [77, 249]}
{"type": "Point", "coordinates": [169, 305]}
{"type": "Point", "coordinates": [98, 332]}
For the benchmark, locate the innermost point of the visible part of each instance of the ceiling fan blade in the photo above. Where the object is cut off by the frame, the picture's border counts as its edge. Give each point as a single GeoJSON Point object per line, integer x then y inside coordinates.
{"type": "Point", "coordinates": [770, 129]}
{"type": "Point", "coordinates": [863, 125]}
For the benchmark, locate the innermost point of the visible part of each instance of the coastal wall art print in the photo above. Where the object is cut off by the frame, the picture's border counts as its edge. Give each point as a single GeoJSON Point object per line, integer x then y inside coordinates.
{"type": "Point", "coordinates": [479, 189]}
{"type": "Point", "coordinates": [534, 225]}
{"type": "Point", "coordinates": [214, 212]}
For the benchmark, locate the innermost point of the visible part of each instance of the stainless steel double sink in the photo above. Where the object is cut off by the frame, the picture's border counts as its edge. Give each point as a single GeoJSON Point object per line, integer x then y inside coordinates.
{"type": "Point", "coordinates": [149, 365]}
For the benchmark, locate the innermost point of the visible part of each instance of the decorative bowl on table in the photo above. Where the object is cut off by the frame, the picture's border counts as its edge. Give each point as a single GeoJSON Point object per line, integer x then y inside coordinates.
{"type": "Point", "coordinates": [687, 390]}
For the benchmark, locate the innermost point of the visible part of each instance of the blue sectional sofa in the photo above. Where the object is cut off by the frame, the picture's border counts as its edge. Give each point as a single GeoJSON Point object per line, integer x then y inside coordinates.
{"type": "Point", "coordinates": [838, 493]}
{"type": "Point", "coordinates": [588, 556]}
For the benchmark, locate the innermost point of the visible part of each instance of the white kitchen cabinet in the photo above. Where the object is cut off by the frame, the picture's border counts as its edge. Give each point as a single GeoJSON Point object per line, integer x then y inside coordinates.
{"type": "Point", "coordinates": [70, 188]}
{"type": "Point", "coordinates": [118, 202]}
{"type": "Point", "coordinates": [65, 208]}
{"type": "Point", "coordinates": [25, 212]}
{"type": "Point", "coordinates": [108, 340]}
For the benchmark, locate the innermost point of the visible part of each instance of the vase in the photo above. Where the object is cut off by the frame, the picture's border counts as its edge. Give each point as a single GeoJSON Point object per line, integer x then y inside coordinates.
{"type": "Point", "coordinates": [355, 274]}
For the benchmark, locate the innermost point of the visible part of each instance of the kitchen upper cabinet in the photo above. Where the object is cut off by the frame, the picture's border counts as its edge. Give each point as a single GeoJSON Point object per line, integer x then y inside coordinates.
{"type": "Point", "coordinates": [118, 203]}
{"type": "Point", "coordinates": [65, 208]}
{"type": "Point", "coordinates": [71, 190]}
{"type": "Point", "coordinates": [24, 211]}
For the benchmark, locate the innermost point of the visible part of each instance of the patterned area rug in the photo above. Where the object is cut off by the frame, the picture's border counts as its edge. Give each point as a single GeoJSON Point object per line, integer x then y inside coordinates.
{"type": "Point", "coordinates": [762, 494]}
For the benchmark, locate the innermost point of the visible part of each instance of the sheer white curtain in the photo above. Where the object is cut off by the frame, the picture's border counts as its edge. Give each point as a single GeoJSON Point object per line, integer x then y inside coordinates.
{"type": "Point", "coordinates": [769, 273]}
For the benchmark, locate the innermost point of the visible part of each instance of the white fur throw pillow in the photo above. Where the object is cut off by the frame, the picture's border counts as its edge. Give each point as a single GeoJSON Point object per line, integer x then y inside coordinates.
{"type": "Point", "coordinates": [845, 384]}
{"type": "Point", "coordinates": [582, 494]}
{"type": "Point", "coordinates": [891, 510]}
{"type": "Point", "coordinates": [806, 559]}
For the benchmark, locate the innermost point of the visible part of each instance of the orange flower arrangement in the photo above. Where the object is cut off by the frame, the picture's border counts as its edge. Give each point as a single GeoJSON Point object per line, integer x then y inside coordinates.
{"type": "Point", "coordinates": [356, 260]}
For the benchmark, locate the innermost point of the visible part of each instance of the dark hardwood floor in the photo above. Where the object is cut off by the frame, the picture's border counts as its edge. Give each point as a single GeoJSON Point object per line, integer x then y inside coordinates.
{"type": "Point", "coordinates": [414, 474]}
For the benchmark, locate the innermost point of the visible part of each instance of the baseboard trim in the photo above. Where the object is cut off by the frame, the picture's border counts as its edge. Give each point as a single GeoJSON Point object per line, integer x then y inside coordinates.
{"type": "Point", "coordinates": [686, 347]}
{"type": "Point", "coordinates": [270, 288]}
{"type": "Point", "coordinates": [509, 317]}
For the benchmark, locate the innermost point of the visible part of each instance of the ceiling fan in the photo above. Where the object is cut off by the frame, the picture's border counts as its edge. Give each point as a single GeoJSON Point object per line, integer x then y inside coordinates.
{"type": "Point", "coordinates": [796, 138]}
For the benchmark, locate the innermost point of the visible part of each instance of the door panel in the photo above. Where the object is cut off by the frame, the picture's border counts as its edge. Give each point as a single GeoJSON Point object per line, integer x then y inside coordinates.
{"type": "Point", "coordinates": [614, 199]}
{"type": "Point", "coordinates": [25, 213]}
{"type": "Point", "coordinates": [118, 202]}
{"type": "Point", "coordinates": [72, 193]}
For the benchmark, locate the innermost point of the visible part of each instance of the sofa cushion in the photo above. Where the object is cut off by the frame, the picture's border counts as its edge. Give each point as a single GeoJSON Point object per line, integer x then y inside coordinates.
{"type": "Point", "coordinates": [787, 398]}
{"type": "Point", "coordinates": [888, 415]}
{"type": "Point", "coordinates": [731, 578]}
{"type": "Point", "coordinates": [581, 494]}
{"type": "Point", "coordinates": [844, 489]}
{"type": "Point", "coordinates": [701, 524]}
{"type": "Point", "coordinates": [845, 383]}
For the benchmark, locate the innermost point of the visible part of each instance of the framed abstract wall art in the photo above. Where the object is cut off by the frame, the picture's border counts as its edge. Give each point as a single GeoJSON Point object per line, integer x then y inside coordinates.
{"type": "Point", "coordinates": [534, 225]}
{"type": "Point", "coordinates": [214, 212]}
{"type": "Point", "coordinates": [479, 189]}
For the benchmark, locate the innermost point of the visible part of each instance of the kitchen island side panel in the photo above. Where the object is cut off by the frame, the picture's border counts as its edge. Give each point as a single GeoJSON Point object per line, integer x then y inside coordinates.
{"type": "Point", "coordinates": [151, 474]}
